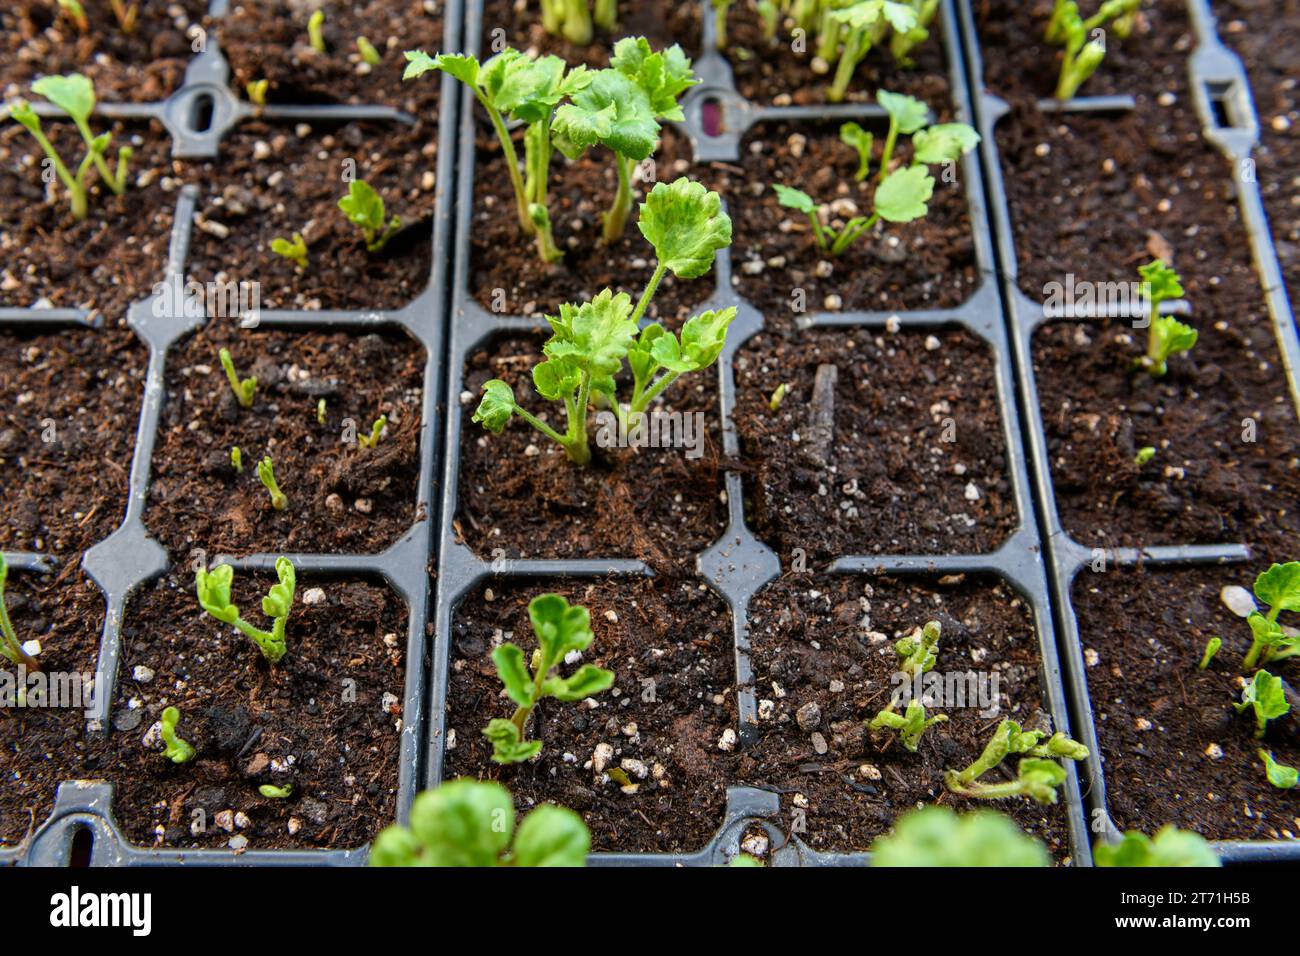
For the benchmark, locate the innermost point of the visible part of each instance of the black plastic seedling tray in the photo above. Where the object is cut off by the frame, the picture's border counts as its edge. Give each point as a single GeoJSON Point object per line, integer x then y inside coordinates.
{"type": "Point", "coordinates": [1220, 90]}
{"type": "Point", "coordinates": [738, 565]}
{"type": "Point", "coordinates": [197, 116]}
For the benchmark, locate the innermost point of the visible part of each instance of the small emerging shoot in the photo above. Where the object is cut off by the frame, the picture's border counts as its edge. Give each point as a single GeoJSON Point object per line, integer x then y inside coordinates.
{"type": "Point", "coordinates": [316, 31]}
{"type": "Point", "coordinates": [1279, 774]}
{"type": "Point", "coordinates": [376, 429]}
{"type": "Point", "coordinates": [560, 629]}
{"type": "Point", "coordinates": [213, 589]}
{"type": "Point", "coordinates": [127, 14]}
{"type": "Point", "coordinates": [778, 397]}
{"type": "Point", "coordinates": [915, 657]}
{"type": "Point", "coordinates": [1084, 42]}
{"type": "Point", "coordinates": [176, 750]}
{"type": "Point", "coordinates": [266, 473]}
{"type": "Point", "coordinates": [720, 10]}
{"type": "Point", "coordinates": [1211, 648]}
{"type": "Point", "coordinates": [1144, 455]}
{"type": "Point", "coordinates": [295, 251]}
{"type": "Point", "coordinates": [320, 412]}
{"type": "Point", "coordinates": [1170, 847]}
{"type": "Point", "coordinates": [244, 388]}
{"type": "Point", "coordinates": [368, 52]}
{"type": "Point", "coordinates": [10, 647]}
{"type": "Point", "coordinates": [272, 792]}
{"type": "Point", "coordinates": [1038, 778]}
{"type": "Point", "coordinates": [935, 836]}
{"type": "Point", "coordinates": [1265, 697]}
{"type": "Point", "coordinates": [237, 459]}
{"type": "Point", "coordinates": [75, 12]}
{"type": "Point", "coordinates": [910, 725]}
{"type": "Point", "coordinates": [1166, 336]}
{"type": "Point", "coordinates": [256, 90]}
{"type": "Point", "coordinates": [365, 209]}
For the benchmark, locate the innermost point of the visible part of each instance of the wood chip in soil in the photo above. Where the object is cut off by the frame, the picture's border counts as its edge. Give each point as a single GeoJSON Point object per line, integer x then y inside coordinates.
{"type": "Point", "coordinates": [669, 645]}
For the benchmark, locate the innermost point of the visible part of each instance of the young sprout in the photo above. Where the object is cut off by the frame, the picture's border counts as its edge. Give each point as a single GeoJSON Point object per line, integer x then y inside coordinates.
{"type": "Point", "coordinates": [864, 25]}
{"type": "Point", "coordinates": [75, 95]}
{"type": "Point", "coordinates": [903, 42]}
{"type": "Point", "coordinates": [365, 209]}
{"type": "Point", "coordinates": [1279, 774]}
{"type": "Point", "coordinates": [1084, 51]}
{"type": "Point", "coordinates": [778, 397]}
{"type": "Point", "coordinates": [10, 647]}
{"type": "Point", "coordinates": [244, 388]}
{"type": "Point", "coordinates": [910, 726]}
{"type": "Point", "coordinates": [1166, 336]}
{"type": "Point", "coordinates": [236, 459]}
{"type": "Point", "coordinates": [256, 90]}
{"type": "Point", "coordinates": [272, 792]}
{"type": "Point", "coordinates": [266, 472]}
{"type": "Point", "coordinates": [127, 15]}
{"type": "Point", "coordinates": [176, 750]}
{"type": "Point", "coordinates": [376, 429]}
{"type": "Point", "coordinates": [1144, 455]}
{"type": "Point", "coordinates": [560, 628]}
{"type": "Point", "coordinates": [469, 823]}
{"type": "Point", "coordinates": [685, 224]}
{"type": "Point", "coordinates": [1266, 698]}
{"type": "Point", "coordinates": [1211, 648]}
{"type": "Point", "coordinates": [1279, 589]}
{"type": "Point", "coordinates": [935, 836]}
{"type": "Point", "coordinates": [852, 134]}
{"type": "Point", "coordinates": [316, 31]}
{"type": "Point", "coordinates": [368, 52]}
{"type": "Point", "coordinates": [1170, 847]}
{"type": "Point", "coordinates": [320, 411]}
{"type": "Point", "coordinates": [1035, 776]}
{"type": "Point", "coordinates": [769, 14]}
{"type": "Point", "coordinates": [918, 656]}
{"type": "Point", "coordinates": [213, 589]}
{"type": "Point", "coordinates": [76, 13]}
{"type": "Point", "coordinates": [295, 251]}
{"type": "Point", "coordinates": [720, 10]}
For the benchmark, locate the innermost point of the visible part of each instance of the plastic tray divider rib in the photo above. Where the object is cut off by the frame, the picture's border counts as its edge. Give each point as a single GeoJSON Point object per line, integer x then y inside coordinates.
{"type": "Point", "coordinates": [128, 557]}
{"type": "Point", "coordinates": [1217, 77]}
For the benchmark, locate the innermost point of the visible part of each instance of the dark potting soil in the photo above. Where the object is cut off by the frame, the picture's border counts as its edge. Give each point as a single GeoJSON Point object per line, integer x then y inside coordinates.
{"type": "Point", "coordinates": [1020, 65]}
{"type": "Point", "coordinates": [342, 497]}
{"type": "Point", "coordinates": [144, 65]}
{"type": "Point", "coordinates": [1221, 421]}
{"type": "Point", "coordinates": [269, 41]}
{"type": "Point", "coordinates": [1174, 749]}
{"type": "Point", "coordinates": [70, 401]}
{"type": "Point", "coordinates": [507, 276]}
{"type": "Point", "coordinates": [319, 721]}
{"type": "Point", "coordinates": [828, 643]}
{"type": "Point", "coordinates": [777, 264]}
{"type": "Point", "coordinates": [520, 495]}
{"type": "Point", "coordinates": [1263, 34]}
{"type": "Point", "coordinates": [248, 202]}
{"type": "Point", "coordinates": [775, 71]}
{"type": "Point", "coordinates": [669, 645]}
{"type": "Point", "coordinates": [518, 23]}
{"type": "Point", "coordinates": [44, 746]}
{"type": "Point", "coordinates": [108, 260]}
{"type": "Point", "coordinates": [917, 463]}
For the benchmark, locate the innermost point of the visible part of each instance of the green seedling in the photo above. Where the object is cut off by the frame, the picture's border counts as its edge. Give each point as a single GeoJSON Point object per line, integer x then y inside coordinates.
{"type": "Point", "coordinates": [1144, 455]}
{"type": "Point", "coordinates": [256, 90]}
{"type": "Point", "coordinates": [1279, 774]}
{"type": "Point", "coordinates": [778, 397]}
{"type": "Point", "coordinates": [74, 95]}
{"type": "Point", "coordinates": [903, 42]}
{"type": "Point", "coordinates": [244, 388]}
{"type": "Point", "coordinates": [365, 209]}
{"type": "Point", "coordinates": [1170, 847]}
{"type": "Point", "coordinates": [368, 52]}
{"type": "Point", "coordinates": [863, 26]}
{"type": "Point", "coordinates": [75, 12]}
{"type": "Point", "coordinates": [272, 792]}
{"type": "Point", "coordinates": [1084, 40]}
{"type": "Point", "coordinates": [916, 656]}
{"type": "Point", "coordinates": [1211, 648]}
{"type": "Point", "coordinates": [1264, 697]}
{"type": "Point", "coordinates": [852, 134]}
{"type": "Point", "coordinates": [1034, 780]}
{"type": "Point", "coordinates": [575, 20]}
{"type": "Point", "coordinates": [10, 647]}
{"type": "Point", "coordinates": [295, 251]}
{"type": "Point", "coordinates": [720, 10]}
{"type": "Point", "coordinates": [176, 750]}
{"type": "Point", "coordinates": [1279, 589]}
{"type": "Point", "coordinates": [316, 31]}
{"type": "Point", "coordinates": [266, 474]}
{"type": "Point", "coordinates": [236, 459]}
{"type": "Point", "coordinates": [685, 224]}
{"type": "Point", "coordinates": [376, 429]}
{"type": "Point", "coordinates": [320, 411]}
{"type": "Point", "coordinates": [469, 823]}
{"type": "Point", "coordinates": [1166, 336]}
{"type": "Point", "coordinates": [910, 725]}
{"type": "Point", "coordinates": [128, 15]}
{"type": "Point", "coordinates": [213, 589]}
{"type": "Point", "coordinates": [938, 837]}
{"type": "Point", "coordinates": [560, 629]}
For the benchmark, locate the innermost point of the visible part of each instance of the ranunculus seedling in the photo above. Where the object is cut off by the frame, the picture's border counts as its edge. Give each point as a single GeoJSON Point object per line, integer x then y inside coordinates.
{"type": "Point", "coordinates": [1170, 847]}
{"type": "Point", "coordinates": [472, 823]}
{"type": "Point", "coordinates": [266, 474]}
{"type": "Point", "coordinates": [236, 459]}
{"type": "Point", "coordinates": [74, 11]}
{"type": "Point", "coordinates": [74, 95]}
{"type": "Point", "coordinates": [916, 656]}
{"type": "Point", "coordinates": [1211, 648]}
{"type": "Point", "coordinates": [294, 250]}
{"type": "Point", "coordinates": [272, 792]}
{"type": "Point", "coordinates": [256, 90]}
{"type": "Point", "coordinates": [720, 10]}
{"type": "Point", "coordinates": [316, 31]}
{"type": "Point", "coordinates": [864, 24]}
{"type": "Point", "coordinates": [903, 42]}
{"type": "Point", "coordinates": [936, 836]}
{"type": "Point", "coordinates": [911, 724]}
{"type": "Point", "coordinates": [1038, 777]}
{"type": "Point", "coordinates": [1265, 698]}
{"type": "Point", "coordinates": [10, 647]}
{"type": "Point", "coordinates": [376, 430]}
{"type": "Point", "coordinates": [1166, 336]}
{"type": "Point", "coordinates": [1278, 588]}
{"type": "Point", "coordinates": [368, 53]}
{"type": "Point", "coordinates": [244, 388]}
{"type": "Point", "coordinates": [685, 224]}
{"type": "Point", "coordinates": [175, 749]}
{"type": "Point", "coordinates": [1279, 774]}
{"type": "Point", "coordinates": [1085, 49]}
{"type": "Point", "coordinates": [213, 588]}
{"type": "Point", "coordinates": [365, 209]}
{"type": "Point", "coordinates": [560, 629]}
